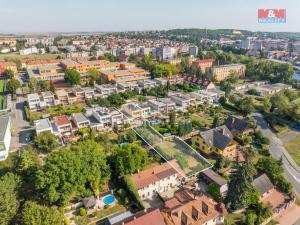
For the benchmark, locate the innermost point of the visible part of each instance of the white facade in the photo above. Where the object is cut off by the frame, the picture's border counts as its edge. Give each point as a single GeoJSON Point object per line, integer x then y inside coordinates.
{"type": "Point", "coordinates": [5, 137]}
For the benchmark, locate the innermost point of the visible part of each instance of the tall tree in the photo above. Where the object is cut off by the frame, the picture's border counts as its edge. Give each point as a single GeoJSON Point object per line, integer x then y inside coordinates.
{"type": "Point", "coordinates": [9, 73]}
{"type": "Point", "coordinates": [12, 85]}
{"type": "Point", "coordinates": [240, 188]}
{"type": "Point", "coordinates": [34, 214]}
{"type": "Point", "coordinates": [9, 204]}
{"type": "Point", "coordinates": [72, 76]}
{"type": "Point", "coordinates": [46, 141]}
{"type": "Point", "coordinates": [128, 159]}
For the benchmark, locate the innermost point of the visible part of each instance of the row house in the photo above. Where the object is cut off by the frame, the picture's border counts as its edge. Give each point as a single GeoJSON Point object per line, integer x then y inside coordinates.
{"type": "Point", "coordinates": [162, 105]}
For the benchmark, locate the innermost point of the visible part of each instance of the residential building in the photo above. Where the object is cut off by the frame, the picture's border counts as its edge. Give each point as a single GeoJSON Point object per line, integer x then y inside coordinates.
{"type": "Point", "coordinates": [128, 86]}
{"type": "Point", "coordinates": [193, 50]}
{"type": "Point", "coordinates": [48, 98]}
{"type": "Point", "coordinates": [126, 75]}
{"type": "Point", "coordinates": [270, 89]}
{"type": "Point", "coordinates": [165, 53]}
{"type": "Point", "coordinates": [158, 179]}
{"type": "Point", "coordinates": [5, 136]}
{"type": "Point", "coordinates": [135, 111]}
{"type": "Point", "coordinates": [147, 84]}
{"type": "Point", "coordinates": [183, 101]}
{"type": "Point", "coordinates": [64, 125]}
{"type": "Point", "coordinates": [205, 96]}
{"type": "Point", "coordinates": [108, 118]}
{"type": "Point", "coordinates": [162, 105]}
{"type": "Point", "coordinates": [79, 93]}
{"type": "Point", "coordinates": [85, 66]}
{"type": "Point", "coordinates": [188, 208]}
{"type": "Point", "coordinates": [62, 97]}
{"type": "Point", "coordinates": [43, 125]}
{"type": "Point", "coordinates": [203, 64]}
{"type": "Point", "coordinates": [236, 125]}
{"type": "Point", "coordinates": [217, 141]}
{"type": "Point", "coordinates": [220, 73]}
{"type": "Point", "coordinates": [7, 65]}
{"type": "Point", "coordinates": [88, 92]}
{"type": "Point", "coordinates": [80, 120]}
{"type": "Point", "coordinates": [211, 177]}
{"type": "Point", "coordinates": [34, 101]}
{"type": "Point", "coordinates": [29, 51]}
{"type": "Point", "coordinates": [46, 72]}
{"type": "Point", "coordinates": [106, 89]}
{"type": "Point", "coordinates": [145, 217]}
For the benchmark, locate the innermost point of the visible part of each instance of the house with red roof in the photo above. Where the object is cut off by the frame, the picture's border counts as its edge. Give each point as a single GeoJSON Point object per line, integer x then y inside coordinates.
{"type": "Point", "coordinates": [64, 125]}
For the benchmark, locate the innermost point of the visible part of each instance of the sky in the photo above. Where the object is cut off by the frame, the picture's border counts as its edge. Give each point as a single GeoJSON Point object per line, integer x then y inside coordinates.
{"type": "Point", "coordinates": [139, 15]}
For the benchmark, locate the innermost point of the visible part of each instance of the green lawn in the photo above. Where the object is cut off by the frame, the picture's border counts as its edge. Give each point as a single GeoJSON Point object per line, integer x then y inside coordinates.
{"type": "Point", "coordinates": [293, 148]}
{"type": "Point", "coordinates": [1, 92]}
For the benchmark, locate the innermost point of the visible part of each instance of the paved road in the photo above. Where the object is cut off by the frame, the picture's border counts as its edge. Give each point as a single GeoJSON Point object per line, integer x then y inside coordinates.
{"type": "Point", "coordinates": [20, 127]}
{"type": "Point", "coordinates": [292, 171]}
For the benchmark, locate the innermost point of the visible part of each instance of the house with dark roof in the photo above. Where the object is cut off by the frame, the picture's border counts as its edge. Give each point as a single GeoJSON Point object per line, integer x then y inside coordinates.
{"type": "Point", "coordinates": [270, 196]}
{"type": "Point", "coordinates": [158, 179]}
{"type": "Point", "coordinates": [211, 177]}
{"type": "Point", "coordinates": [217, 141]}
{"type": "Point", "coordinates": [236, 125]}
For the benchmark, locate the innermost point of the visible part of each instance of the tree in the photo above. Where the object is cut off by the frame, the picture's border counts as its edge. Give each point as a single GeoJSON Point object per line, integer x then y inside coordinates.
{"type": "Point", "coordinates": [46, 141]}
{"type": "Point", "coordinates": [250, 218]}
{"type": "Point", "coordinates": [240, 183]}
{"type": "Point", "coordinates": [12, 85]}
{"type": "Point", "coordinates": [173, 120]}
{"type": "Point", "coordinates": [72, 76]}
{"type": "Point", "coordinates": [216, 121]}
{"type": "Point", "coordinates": [233, 78]}
{"type": "Point", "coordinates": [9, 73]}
{"type": "Point", "coordinates": [34, 214]}
{"type": "Point", "coordinates": [28, 163]}
{"type": "Point", "coordinates": [94, 75]}
{"type": "Point", "coordinates": [71, 170]}
{"type": "Point", "coordinates": [9, 204]}
{"type": "Point", "coordinates": [246, 105]}
{"type": "Point", "coordinates": [214, 191]}
{"type": "Point", "coordinates": [267, 105]}
{"type": "Point", "coordinates": [131, 136]}
{"type": "Point", "coordinates": [281, 103]}
{"type": "Point", "coordinates": [185, 127]}
{"type": "Point", "coordinates": [128, 159]}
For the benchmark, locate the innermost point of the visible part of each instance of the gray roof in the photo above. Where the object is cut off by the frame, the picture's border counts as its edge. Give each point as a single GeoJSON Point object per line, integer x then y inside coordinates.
{"type": "Point", "coordinates": [216, 178]}
{"type": "Point", "coordinates": [4, 121]}
{"type": "Point", "coordinates": [119, 217]}
{"type": "Point", "coordinates": [236, 125]}
{"type": "Point", "coordinates": [79, 117]}
{"type": "Point", "coordinates": [263, 184]}
{"type": "Point", "coordinates": [89, 202]}
{"type": "Point", "coordinates": [219, 137]}
{"type": "Point", "coordinates": [42, 124]}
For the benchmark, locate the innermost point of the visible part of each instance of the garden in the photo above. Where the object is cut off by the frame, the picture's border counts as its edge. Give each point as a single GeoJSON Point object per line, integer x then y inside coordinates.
{"type": "Point", "coordinates": [190, 161]}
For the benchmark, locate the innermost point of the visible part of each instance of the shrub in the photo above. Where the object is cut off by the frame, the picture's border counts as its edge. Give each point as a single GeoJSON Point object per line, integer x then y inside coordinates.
{"type": "Point", "coordinates": [82, 211]}
{"type": "Point", "coordinates": [214, 191]}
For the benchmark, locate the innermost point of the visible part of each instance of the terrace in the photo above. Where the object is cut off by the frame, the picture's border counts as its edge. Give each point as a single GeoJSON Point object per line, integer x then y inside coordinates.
{"type": "Point", "coordinates": [190, 161]}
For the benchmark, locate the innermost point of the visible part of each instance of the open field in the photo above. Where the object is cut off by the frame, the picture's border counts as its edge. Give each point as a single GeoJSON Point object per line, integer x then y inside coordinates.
{"type": "Point", "coordinates": [293, 148]}
{"type": "Point", "coordinates": [35, 56]}
{"type": "Point", "coordinates": [190, 161]}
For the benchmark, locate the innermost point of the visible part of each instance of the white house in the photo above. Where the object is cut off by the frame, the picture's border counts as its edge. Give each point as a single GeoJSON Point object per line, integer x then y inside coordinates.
{"type": "Point", "coordinates": [34, 101]}
{"type": "Point", "coordinates": [43, 125]}
{"type": "Point", "coordinates": [158, 179]}
{"type": "Point", "coordinates": [5, 137]}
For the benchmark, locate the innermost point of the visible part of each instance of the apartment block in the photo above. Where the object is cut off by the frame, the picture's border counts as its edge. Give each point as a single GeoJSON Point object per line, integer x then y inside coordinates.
{"type": "Point", "coordinates": [220, 73]}
{"type": "Point", "coordinates": [5, 136]}
{"type": "Point", "coordinates": [202, 64]}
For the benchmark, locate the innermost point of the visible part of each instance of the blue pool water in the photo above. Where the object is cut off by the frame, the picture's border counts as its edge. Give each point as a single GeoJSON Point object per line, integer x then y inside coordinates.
{"type": "Point", "coordinates": [109, 199]}
{"type": "Point", "coordinates": [296, 76]}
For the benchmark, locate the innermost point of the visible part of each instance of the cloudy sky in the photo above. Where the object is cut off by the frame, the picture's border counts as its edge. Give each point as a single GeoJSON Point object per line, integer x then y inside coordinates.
{"type": "Point", "coordinates": [124, 15]}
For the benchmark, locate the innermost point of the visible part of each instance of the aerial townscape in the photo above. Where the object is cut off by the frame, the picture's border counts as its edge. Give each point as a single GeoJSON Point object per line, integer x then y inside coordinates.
{"type": "Point", "coordinates": [157, 127]}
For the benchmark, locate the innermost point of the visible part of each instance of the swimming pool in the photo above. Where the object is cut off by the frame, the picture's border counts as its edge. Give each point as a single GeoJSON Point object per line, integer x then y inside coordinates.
{"type": "Point", "coordinates": [109, 199]}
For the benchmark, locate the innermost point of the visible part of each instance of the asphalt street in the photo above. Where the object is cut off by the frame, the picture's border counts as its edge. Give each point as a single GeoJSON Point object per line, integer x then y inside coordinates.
{"type": "Point", "coordinates": [292, 171]}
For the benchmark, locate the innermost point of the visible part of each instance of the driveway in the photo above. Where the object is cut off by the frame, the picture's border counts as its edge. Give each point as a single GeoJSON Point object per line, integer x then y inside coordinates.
{"type": "Point", "coordinates": [291, 170]}
{"type": "Point", "coordinates": [290, 216]}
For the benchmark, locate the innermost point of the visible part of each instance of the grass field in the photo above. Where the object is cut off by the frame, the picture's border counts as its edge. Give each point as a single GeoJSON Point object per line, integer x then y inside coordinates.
{"type": "Point", "coordinates": [1, 92]}
{"type": "Point", "coordinates": [190, 160]}
{"type": "Point", "coordinates": [293, 148]}
{"type": "Point", "coordinates": [35, 56]}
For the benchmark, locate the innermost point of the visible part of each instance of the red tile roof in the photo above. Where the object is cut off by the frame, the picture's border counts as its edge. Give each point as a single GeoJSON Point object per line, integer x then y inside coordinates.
{"type": "Point", "coordinates": [152, 217]}
{"type": "Point", "coordinates": [62, 120]}
{"type": "Point", "coordinates": [152, 175]}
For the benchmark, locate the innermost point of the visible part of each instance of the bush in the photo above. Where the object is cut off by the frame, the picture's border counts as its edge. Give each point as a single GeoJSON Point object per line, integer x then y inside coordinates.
{"type": "Point", "coordinates": [214, 191]}
{"type": "Point", "coordinates": [132, 191]}
{"type": "Point", "coordinates": [82, 211]}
